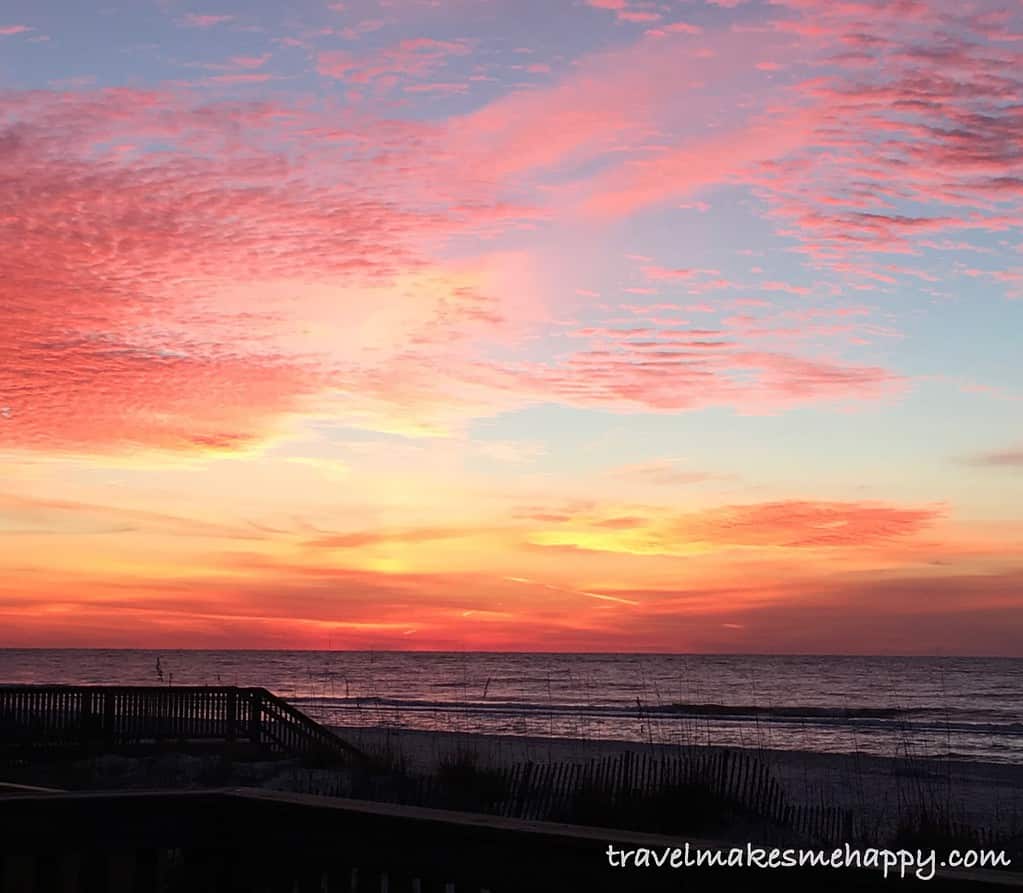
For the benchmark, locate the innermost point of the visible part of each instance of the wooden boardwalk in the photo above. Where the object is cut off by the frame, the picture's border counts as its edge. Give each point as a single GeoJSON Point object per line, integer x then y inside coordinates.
{"type": "Point", "coordinates": [43, 719]}
{"type": "Point", "coordinates": [242, 841]}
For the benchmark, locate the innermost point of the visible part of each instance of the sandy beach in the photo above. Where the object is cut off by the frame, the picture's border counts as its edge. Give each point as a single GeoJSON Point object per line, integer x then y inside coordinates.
{"type": "Point", "coordinates": [879, 789]}
{"type": "Point", "coordinates": [881, 797]}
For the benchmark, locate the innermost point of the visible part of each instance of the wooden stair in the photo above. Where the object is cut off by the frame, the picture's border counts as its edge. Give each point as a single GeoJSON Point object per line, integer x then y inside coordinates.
{"type": "Point", "coordinates": [40, 719]}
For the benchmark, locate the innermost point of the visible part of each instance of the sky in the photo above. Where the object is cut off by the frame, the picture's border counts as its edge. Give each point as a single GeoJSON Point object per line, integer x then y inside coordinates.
{"type": "Point", "coordinates": [573, 325]}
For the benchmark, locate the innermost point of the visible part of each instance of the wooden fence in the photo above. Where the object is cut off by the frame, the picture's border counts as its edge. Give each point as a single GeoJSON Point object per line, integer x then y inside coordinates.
{"type": "Point", "coordinates": [738, 779]}
{"type": "Point", "coordinates": [39, 719]}
{"type": "Point", "coordinates": [692, 789]}
{"type": "Point", "coordinates": [261, 842]}
{"type": "Point", "coordinates": [654, 793]}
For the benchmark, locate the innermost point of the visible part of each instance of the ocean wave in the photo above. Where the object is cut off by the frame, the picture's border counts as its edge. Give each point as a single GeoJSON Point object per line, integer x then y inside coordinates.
{"type": "Point", "coordinates": [909, 720]}
{"type": "Point", "coordinates": [794, 711]}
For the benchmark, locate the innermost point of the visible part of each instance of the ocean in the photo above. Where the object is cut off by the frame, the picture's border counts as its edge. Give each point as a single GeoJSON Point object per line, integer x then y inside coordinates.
{"type": "Point", "coordinates": [964, 708]}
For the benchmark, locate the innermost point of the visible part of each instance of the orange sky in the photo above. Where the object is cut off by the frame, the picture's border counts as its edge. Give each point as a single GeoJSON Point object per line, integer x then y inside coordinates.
{"type": "Point", "coordinates": [584, 326]}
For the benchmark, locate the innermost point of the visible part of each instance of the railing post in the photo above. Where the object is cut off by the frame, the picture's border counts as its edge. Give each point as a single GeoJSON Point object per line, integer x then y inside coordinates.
{"type": "Point", "coordinates": [255, 712]}
{"type": "Point", "coordinates": [85, 726]}
{"type": "Point", "coordinates": [232, 713]}
{"type": "Point", "coordinates": [108, 716]}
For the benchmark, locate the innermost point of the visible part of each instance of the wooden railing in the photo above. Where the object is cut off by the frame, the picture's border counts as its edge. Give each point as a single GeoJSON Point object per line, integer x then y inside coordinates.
{"type": "Point", "coordinates": [284, 727]}
{"type": "Point", "coordinates": [39, 718]}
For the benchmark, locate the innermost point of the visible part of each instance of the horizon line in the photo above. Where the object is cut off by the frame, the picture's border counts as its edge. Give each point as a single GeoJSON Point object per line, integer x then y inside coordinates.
{"type": "Point", "coordinates": [729, 654]}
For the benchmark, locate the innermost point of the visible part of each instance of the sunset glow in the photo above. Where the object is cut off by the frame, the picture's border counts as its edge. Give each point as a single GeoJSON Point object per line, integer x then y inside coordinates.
{"type": "Point", "coordinates": [469, 324]}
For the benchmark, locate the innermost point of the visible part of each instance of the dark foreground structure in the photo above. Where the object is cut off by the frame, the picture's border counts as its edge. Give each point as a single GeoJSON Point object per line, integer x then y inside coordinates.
{"type": "Point", "coordinates": [39, 721]}
{"type": "Point", "coordinates": [253, 841]}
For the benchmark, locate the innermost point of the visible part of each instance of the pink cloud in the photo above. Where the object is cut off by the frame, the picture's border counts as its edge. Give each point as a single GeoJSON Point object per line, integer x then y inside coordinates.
{"type": "Point", "coordinates": [336, 63]}
{"type": "Point", "coordinates": [10, 30]}
{"type": "Point", "coordinates": [699, 374]}
{"type": "Point", "coordinates": [637, 15]}
{"type": "Point", "coordinates": [445, 88]}
{"type": "Point", "coordinates": [408, 59]}
{"type": "Point", "coordinates": [686, 169]}
{"type": "Point", "coordinates": [618, 101]}
{"type": "Point", "coordinates": [625, 11]}
{"type": "Point", "coordinates": [942, 147]}
{"type": "Point", "coordinates": [365, 538]}
{"type": "Point", "coordinates": [223, 207]}
{"type": "Point", "coordinates": [916, 108]}
{"type": "Point", "coordinates": [81, 394]}
{"type": "Point", "coordinates": [786, 287]}
{"type": "Point", "coordinates": [797, 524]}
{"type": "Point", "coordinates": [663, 273]}
{"type": "Point", "coordinates": [909, 612]}
{"type": "Point", "coordinates": [250, 61]}
{"type": "Point", "coordinates": [1006, 458]}
{"type": "Point", "coordinates": [788, 524]}
{"type": "Point", "coordinates": [663, 472]}
{"type": "Point", "coordinates": [252, 77]}
{"type": "Point", "coordinates": [746, 362]}
{"type": "Point", "coordinates": [200, 20]}
{"type": "Point", "coordinates": [159, 347]}
{"type": "Point", "coordinates": [675, 28]}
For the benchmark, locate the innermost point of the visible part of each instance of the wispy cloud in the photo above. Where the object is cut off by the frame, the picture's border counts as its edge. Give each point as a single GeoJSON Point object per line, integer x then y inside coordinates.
{"type": "Point", "coordinates": [1011, 457]}
{"type": "Point", "coordinates": [205, 20]}
{"type": "Point", "coordinates": [790, 524]}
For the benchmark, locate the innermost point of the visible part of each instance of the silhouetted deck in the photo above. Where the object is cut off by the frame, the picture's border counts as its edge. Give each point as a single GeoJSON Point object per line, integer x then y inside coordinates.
{"type": "Point", "coordinates": [37, 720]}
{"type": "Point", "coordinates": [270, 842]}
